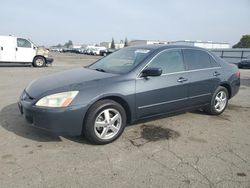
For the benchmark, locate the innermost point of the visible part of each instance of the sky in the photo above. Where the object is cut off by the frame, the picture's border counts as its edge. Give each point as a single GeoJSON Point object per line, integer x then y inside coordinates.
{"type": "Point", "coordinates": [49, 22]}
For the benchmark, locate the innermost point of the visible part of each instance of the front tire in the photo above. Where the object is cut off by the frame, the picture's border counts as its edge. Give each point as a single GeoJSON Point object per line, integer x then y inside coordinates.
{"type": "Point", "coordinates": [218, 102]}
{"type": "Point", "coordinates": [39, 62]}
{"type": "Point", "coordinates": [105, 122]}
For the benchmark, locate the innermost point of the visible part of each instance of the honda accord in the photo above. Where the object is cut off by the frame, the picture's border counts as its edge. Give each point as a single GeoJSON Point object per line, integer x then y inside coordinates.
{"type": "Point", "coordinates": [131, 84]}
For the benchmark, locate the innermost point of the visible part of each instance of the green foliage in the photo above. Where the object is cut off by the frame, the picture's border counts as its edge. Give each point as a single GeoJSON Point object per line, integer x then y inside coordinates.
{"type": "Point", "coordinates": [112, 44]}
{"type": "Point", "coordinates": [244, 42]}
{"type": "Point", "coordinates": [68, 44]}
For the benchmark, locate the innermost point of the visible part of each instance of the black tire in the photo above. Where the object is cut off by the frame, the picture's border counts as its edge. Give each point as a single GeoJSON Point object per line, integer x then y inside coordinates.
{"type": "Point", "coordinates": [39, 61]}
{"type": "Point", "coordinates": [89, 129]}
{"type": "Point", "coordinates": [210, 109]}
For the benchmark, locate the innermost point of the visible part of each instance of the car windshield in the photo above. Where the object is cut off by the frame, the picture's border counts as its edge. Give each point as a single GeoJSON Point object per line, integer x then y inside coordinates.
{"type": "Point", "coordinates": [121, 61]}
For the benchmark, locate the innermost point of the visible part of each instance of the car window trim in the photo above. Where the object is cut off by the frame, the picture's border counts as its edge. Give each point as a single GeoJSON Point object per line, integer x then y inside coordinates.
{"type": "Point", "coordinates": [185, 65]}
{"type": "Point", "coordinates": [187, 71]}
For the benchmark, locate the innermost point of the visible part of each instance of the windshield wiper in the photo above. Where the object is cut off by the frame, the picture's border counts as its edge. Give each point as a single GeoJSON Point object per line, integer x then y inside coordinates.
{"type": "Point", "coordinates": [100, 70]}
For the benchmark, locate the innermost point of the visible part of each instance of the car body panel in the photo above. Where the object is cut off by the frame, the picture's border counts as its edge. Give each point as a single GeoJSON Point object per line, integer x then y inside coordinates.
{"type": "Point", "coordinates": [159, 94]}
{"type": "Point", "coordinates": [201, 85]}
{"type": "Point", "coordinates": [75, 79]}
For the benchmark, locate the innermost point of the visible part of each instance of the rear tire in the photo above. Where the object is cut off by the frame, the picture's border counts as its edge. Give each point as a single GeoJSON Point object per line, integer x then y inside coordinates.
{"type": "Point", "coordinates": [218, 102]}
{"type": "Point", "coordinates": [105, 121]}
{"type": "Point", "coordinates": [39, 62]}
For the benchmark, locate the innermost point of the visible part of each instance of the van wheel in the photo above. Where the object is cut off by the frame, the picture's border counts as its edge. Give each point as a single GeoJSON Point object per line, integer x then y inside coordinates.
{"type": "Point", "coordinates": [105, 122]}
{"type": "Point", "coordinates": [218, 102]}
{"type": "Point", "coordinates": [39, 62]}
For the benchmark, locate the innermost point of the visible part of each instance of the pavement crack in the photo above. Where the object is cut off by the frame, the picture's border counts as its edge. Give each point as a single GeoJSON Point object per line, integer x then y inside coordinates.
{"type": "Point", "coordinates": [210, 183]}
{"type": "Point", "coordinates": [237, 155]}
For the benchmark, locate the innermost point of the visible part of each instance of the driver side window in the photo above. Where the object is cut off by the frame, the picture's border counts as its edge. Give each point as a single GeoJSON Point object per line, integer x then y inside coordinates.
{"type": "Point", "coordinates": [23, 43]}
{"type": "Point", "coordinates": [169, 61]}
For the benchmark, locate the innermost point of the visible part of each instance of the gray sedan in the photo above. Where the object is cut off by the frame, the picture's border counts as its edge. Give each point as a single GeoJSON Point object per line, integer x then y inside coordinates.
{"type": "Point", "coordinates": [131, 84]}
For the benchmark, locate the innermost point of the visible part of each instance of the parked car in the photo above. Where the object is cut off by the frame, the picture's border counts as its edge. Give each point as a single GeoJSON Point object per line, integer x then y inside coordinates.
{"type": "Point", "coordinates": [107, 51]}
{"type": "Point", "coordinates": [97, 50]}
{"type": "Point", "coordinates": [244, 63]}
{"type": "Point", "coordinates": [131, 84]}
{"type": "Point", "coordinates": [20, 50]}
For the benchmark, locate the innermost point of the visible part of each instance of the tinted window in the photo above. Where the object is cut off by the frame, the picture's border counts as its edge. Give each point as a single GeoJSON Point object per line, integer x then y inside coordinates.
{"type": "Point", "coordinates": [213, 62]}
{"type": "Point", "coordinates": [196, 59]}
{"type": "Point", "coordinates": [168, 61]}
{"type": "Point", "coordinates": [23, 43]}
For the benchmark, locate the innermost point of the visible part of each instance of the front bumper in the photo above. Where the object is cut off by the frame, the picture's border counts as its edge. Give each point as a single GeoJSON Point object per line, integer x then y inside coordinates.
{"type": "Point", "coordinates": [49, 60]}
{"type": "Point", "coordinates": [60, 121]}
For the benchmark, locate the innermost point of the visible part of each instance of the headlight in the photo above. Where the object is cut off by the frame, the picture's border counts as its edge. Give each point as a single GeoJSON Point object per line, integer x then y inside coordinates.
{"type": "Point", "coordinates": [57, 100]}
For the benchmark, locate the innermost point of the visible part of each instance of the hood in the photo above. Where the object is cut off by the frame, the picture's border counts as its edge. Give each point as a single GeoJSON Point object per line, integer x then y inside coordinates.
{"type": "Point", "coordinates": [42, 51]}
{"type": "Point", "coordinates": [74, 79]}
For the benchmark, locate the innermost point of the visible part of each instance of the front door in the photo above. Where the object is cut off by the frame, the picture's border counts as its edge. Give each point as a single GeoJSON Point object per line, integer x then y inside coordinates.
{"type": "Point", "coordinates": [165, 93]}
{"type": "Point", "coordinates": [24, 50]}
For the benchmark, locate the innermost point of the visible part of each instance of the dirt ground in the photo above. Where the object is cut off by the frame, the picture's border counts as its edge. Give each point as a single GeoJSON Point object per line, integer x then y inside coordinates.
{"type": "Point", "coordinates": [186, 150]}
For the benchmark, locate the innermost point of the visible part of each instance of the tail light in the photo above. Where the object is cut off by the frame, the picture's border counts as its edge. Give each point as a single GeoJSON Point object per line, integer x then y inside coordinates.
{"type": "Point", "coordinates": [237, 74]}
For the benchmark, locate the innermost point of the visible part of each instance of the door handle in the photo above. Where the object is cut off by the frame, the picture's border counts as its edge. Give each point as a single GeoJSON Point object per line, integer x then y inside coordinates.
{"type": "Point", "coordinates": [181, 79]}
{"type": "Point", "coordinates": [16, 49]}
{"type": "Point", "coordinates": [216, 73]}
{"type": "Point", "coordinates": [1, 48]}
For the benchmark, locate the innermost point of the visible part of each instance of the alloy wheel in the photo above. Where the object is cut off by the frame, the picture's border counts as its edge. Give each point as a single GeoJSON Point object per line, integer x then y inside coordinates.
{"type": "Point", "coordinates": [108, 123]}
{"type": "Point", "coordinates": [220, 101]}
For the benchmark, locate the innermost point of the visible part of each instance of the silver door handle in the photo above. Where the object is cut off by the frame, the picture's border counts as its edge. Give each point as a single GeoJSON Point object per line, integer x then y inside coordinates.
{"type": "Point", "coordinates": [181, 79]}
{"type": "Point", "coordinates": [216, 73]}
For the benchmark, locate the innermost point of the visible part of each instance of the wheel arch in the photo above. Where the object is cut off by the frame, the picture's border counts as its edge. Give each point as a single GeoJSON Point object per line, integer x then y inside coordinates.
{"type": "Point", "coordinates": [117, 99]}
{"type": "Point", "coordinates": [228, 87]}
{"type": "Point", "coordinates": [41, 57]}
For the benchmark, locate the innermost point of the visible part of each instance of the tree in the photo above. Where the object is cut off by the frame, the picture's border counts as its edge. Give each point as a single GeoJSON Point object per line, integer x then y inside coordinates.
{"type": "Point", "coordinates": [112, 46]}
{"type": "Point", "coordinates": [126, 42]}
{"type": "Point", "coordinates": [68, 44]}
{"type": "Point", "coordinates": [244, 42]}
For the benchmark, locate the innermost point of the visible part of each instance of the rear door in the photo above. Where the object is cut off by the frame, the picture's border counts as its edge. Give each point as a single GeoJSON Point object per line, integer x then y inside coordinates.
{"type": "Point", "coordinates": [203, 76]}
{"type": "Point", "coordinates": [7, 49]}
{"type": "Point", "coordinates": [165, 93]}
{"type": "Point", "coordinates": [24, 50]}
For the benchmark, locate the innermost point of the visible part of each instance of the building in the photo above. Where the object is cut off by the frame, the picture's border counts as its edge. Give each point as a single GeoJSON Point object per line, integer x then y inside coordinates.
{"type": "Point", "coordinates": [146, 42]}
{"type": "Point", "coordinates": [203, 44]}
{"type": "Point", "coordinates": [76, 46]}
{"type": "Point", "coordinates": [108, 44]}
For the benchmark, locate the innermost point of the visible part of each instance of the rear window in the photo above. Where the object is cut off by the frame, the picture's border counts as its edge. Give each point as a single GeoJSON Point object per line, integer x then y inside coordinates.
{"type": "Point", "coordinates": [196, 59]}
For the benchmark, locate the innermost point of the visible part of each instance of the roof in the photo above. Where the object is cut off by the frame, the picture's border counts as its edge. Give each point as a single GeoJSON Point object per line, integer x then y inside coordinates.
{"type": "Point", "coordinates": [164, 46]}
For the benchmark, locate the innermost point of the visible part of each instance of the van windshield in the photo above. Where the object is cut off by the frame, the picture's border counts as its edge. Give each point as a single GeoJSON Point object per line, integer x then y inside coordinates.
{"type": "Point", "coordinates": [121, 61]}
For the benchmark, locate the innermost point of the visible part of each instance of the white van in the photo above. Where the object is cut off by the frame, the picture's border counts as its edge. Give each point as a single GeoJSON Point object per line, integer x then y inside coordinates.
{"type": "Point", "coordinates": [20, 50]}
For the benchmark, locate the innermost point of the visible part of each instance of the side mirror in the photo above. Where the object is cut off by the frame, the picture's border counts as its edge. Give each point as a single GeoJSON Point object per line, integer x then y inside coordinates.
{"type": "Point", "coordinates": [151, 72]}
